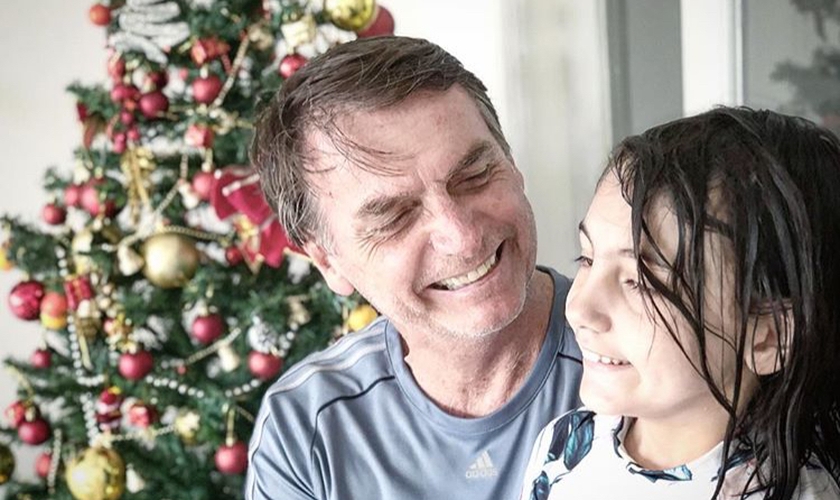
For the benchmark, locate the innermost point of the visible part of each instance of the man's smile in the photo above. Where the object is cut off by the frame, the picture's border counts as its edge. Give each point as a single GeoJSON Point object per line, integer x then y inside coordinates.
{"type": "Point", "coordinates": [470, 277]}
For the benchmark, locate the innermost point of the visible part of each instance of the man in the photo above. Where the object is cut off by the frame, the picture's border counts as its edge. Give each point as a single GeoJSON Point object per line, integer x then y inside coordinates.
{"type": "Point", "coordinates": [385, 161]}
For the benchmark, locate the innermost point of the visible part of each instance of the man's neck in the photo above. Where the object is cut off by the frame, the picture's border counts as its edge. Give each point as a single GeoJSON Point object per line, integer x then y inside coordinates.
{"type": "Point", "coordinates": [475, 377]}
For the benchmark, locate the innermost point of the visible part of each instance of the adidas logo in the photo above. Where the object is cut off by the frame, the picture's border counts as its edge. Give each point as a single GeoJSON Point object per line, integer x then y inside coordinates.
{"type": "Point", "coordinates": [482, 467]}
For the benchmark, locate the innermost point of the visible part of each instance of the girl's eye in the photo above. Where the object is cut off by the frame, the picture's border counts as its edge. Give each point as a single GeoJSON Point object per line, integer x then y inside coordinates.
{"type": "Point", "coordinates": [636, 286]}
{"type": "Point", "coordinates": [583, 261]}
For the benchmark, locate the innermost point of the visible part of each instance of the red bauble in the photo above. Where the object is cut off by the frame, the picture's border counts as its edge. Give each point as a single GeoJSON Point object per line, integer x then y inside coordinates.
{"type": "Point", "coordinates": [34, 431]}
{"type": "Point", "coordinates": [54, 304]}
{"type": "Point", "coordinates": [42, 464]}
{"type": "Point", "coordinates": [107, 408]}
{"type": "Point", "coordinates": [264, 366]}
{"type": "Point", "coordinates": [133, 134]}
{"type": "Point", "coordinates": [119, 145]}
{"type": "Point", "coordinates": [41, 359]}
{"type": "Point", "coordinates": [207, 49]}
{"type": "Point", "coordinates": [142, 415]}
{"type": "Point", "coordinates": [233, 255]}
{"type": "Point", "coordinates": [199, 135]}
{"type": "Point", "coordinates": [383, 24]}
{"type": "Point", "coordinates": [153, 104]}
{"type": "Point", "coordinates": [158, 79]}
{"type": "Point", "coordinates": [89, 198]}
{"type": "Point", "coordinates": [127, 117]}
{"type": "Point", "coordinates": [232, 458]}
{"type": "Point", "coordinates": [54, 214]}
{"type": "Point", "coordinates": [72, 194]}
{"type": "Point", "coordinates": [16, 414]}
{"type": "Point", "coordinates": [136, 365]}
{"type": "Point", "coordinates": [202, 184]}
{"type": "Point", "coordinates": [122, 92]}
{"type": "Point", "coordinates": [206, 89]}
{"type": "Point", "coordinates": [25, 300]}
{"type": "Point", "coordinates": [290, 64]}
{"type": "Point", "coordinates": [207, 328]}
{"type": "Point", "coordinates": [116, 68]}
{"type": "Point", "coordinates": [54, 311]}
{"type": "Point", "coordinates": [100, 15]}
{"type": "Point", "coordinates": [109, 402]}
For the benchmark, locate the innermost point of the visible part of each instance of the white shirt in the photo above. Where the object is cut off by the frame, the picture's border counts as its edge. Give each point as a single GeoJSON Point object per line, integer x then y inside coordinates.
{"type": "Point", "coordinates": [581, 456]}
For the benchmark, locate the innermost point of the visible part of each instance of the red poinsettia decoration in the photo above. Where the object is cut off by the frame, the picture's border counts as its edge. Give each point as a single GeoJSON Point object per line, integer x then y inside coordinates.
{"type": "Point", "coordinates": [236, 193]}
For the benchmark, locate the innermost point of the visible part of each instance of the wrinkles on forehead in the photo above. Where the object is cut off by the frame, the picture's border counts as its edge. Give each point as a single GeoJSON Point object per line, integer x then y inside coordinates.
{"type": "Point", "coordinates": [331, 141]}
{"type": "Point", "coordinates": [340, 152]}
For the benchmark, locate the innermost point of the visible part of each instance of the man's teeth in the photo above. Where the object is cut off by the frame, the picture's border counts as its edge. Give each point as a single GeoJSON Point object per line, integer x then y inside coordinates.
{"type": "Point", "coordinates": [597, 358]}
{"type": "Point", "coordinates": [470, 277]}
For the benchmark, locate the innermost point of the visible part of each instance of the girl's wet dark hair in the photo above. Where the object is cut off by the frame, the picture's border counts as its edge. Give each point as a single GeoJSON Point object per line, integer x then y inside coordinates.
{"type": "Point", "coordinates": [770, 185]}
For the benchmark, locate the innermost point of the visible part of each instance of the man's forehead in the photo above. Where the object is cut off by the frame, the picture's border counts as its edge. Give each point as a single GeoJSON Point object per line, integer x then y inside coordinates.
{"type": "Point", "coordinates": [343, 158]}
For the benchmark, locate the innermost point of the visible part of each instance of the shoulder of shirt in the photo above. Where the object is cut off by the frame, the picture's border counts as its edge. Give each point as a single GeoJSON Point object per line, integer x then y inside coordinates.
{"type": "Point", "coordinates": [345, 369]}
{"type": "Point", "coordinates": [568, 347]}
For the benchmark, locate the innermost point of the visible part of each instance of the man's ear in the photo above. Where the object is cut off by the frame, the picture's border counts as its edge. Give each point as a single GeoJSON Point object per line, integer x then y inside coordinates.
{"type": "Point", "coordinates": [323, 260]}
{"type": "Point", "coordinates": [769, 340]}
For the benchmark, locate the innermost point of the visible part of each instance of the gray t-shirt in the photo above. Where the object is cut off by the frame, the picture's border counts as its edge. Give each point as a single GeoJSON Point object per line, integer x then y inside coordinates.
{"type": "Point", "coordinates": [350, 422]}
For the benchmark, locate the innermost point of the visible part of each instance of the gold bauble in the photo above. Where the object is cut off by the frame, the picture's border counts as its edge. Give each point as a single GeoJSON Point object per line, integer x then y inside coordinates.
{"type": "Point", "coordinates": [361, 317]}
{"type": "Point", "coordinates": [5, 263]}
{"type": "Point", "coordinates": [171, 260]}
{"type": "Point", "coordinates": [7, 463]}
{"type": "Point", "coordinates": [352, 15]}
{"type": "Point", "coordinates": [96, 474]}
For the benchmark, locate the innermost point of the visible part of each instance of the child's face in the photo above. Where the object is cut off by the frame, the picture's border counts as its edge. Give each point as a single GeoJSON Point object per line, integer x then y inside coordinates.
{"type": "Point", "coordinates": [632, 365]}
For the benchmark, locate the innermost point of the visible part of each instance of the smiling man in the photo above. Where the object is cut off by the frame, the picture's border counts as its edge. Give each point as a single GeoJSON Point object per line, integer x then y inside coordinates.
{"type": "Point", "coordinates": [385, 161]}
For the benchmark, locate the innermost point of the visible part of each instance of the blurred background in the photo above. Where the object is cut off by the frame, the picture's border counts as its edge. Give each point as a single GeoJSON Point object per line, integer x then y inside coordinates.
{"type": "Point", "coordinates": [569, 79]}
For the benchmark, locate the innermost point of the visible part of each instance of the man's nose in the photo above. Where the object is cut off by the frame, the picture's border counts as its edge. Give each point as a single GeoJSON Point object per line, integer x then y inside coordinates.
{"type": "Point", "coordinates": [587, 304]}
{"type": "Point", "coordinates": [453, 229]}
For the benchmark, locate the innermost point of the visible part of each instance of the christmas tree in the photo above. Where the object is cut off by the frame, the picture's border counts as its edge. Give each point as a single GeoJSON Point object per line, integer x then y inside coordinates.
{"type": "Point", "coordinates": [168, 293]}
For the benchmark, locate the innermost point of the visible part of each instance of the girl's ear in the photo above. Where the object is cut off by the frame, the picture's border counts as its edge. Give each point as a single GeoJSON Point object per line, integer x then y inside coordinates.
{"type": "Point", "coordinates": [769, 338]}
{"type": "Point", "coordinates": [325, 262]}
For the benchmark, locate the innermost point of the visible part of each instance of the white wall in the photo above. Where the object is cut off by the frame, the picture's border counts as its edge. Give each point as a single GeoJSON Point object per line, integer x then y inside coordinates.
{"type": "Point", "coordinates": [541, 61]}
{"type": "Point", "coordinates": [43, 48]}
{"type": "Point", "coordinates": [711, 50]}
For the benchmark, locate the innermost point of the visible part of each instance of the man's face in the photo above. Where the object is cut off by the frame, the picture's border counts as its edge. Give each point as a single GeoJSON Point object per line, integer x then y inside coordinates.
{"type": "Point", "coordinates": [632, 365]}
{"type": "Point", "coordinates": [446, 243]}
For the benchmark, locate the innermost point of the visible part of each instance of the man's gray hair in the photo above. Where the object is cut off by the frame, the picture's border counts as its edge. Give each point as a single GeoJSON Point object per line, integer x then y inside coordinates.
{"type": "Point", "coordinates": [366, 75]}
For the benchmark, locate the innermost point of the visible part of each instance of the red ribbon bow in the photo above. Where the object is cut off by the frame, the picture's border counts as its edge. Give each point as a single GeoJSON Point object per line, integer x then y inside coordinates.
{"type": "Point", "coordinates": [262, 239]}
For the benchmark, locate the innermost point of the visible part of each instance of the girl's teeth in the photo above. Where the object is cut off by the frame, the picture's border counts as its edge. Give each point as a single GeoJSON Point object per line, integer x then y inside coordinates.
{"type": "Point", "coordinates": [597, 358]}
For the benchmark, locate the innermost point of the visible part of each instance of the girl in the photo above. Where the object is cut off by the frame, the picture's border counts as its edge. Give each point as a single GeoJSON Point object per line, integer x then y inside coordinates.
{"type": "Point", "coordinates": [707, 310]}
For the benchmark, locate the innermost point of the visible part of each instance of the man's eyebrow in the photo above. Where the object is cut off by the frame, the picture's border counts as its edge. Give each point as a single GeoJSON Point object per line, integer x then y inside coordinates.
{"type": "Point", "coordinates": [380, 205]}
{"type": "Point", "coordinates": [475, 153]}
{"type": "Point", "coordinates": [649, 258]}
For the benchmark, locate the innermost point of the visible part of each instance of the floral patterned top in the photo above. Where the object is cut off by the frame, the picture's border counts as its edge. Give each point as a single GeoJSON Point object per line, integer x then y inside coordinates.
{"type": "Point", "coordinates": [581, 456]}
